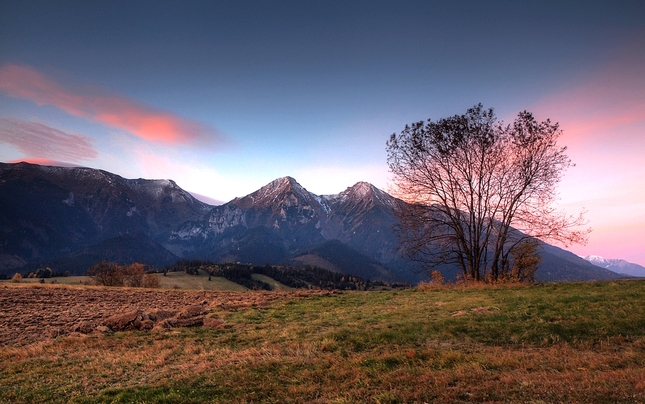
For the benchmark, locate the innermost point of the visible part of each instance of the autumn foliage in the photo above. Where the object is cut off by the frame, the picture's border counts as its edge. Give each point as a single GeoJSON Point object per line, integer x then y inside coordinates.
{"type": "Point", "coordinates": [132, 275]}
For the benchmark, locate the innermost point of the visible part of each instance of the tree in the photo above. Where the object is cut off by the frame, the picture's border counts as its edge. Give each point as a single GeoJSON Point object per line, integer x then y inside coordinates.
{"type": "Point", "coordinates": [111, 274]}
{"type": "Point", "coordinates": [476, 189]}
{"type": "Point", "coordinates": [151, 281]}
{"type": "Point", "coordinates": [106, 274]}
{"type": "Point", "coordinates": [525, 261]}
{"type": "Point", "coordinates": [133, 274]}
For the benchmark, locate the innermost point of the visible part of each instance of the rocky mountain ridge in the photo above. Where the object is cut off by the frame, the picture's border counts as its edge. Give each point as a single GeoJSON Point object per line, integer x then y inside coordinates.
{"type": "Point", "coordinates": [68, 216]}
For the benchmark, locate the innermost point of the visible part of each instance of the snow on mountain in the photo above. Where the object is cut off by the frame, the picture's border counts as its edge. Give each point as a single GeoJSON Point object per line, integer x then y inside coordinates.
{"type": "Point", "coordinates": [619, 266]}
{"type": "Point", "coordinates": [282, 191]}
{"type": "Point", "coordinates": [597, 260]}
{"type": "Point", "coordinates": [53, 212]}
{"type": "Point", "coordinates": [361, 192]}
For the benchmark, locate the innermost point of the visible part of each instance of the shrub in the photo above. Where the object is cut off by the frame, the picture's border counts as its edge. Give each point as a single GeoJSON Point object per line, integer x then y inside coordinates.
{"type": "Point", "coordinates": [437, 277]}
{"type": "Point", "coordinates": [133, 274]}
{"type": "Point", "coordinates": [151, 281]}
{"type": "Point", "coordinates": [106, 274]}
{"type": "Point", "coordinates": [44, 273]}
{"type": "Point", "coordinates": [17, 278]}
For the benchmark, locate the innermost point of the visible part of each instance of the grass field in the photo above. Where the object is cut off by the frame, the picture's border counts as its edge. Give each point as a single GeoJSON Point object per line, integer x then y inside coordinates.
{"type": "Point", "coordinates": [172, 280]}
{"type": "Point", "coordinates": [578, 342]}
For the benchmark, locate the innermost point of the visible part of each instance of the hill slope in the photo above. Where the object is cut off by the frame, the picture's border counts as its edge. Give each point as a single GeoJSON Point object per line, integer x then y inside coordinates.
{"type": "Point", "coordinates": [71, 216]}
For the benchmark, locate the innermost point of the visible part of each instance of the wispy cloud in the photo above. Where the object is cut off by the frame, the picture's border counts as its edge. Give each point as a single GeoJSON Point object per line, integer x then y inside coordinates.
{"type": "Point", "coordinates": [98, 105]}
{"type": "Point", "coordinates": [40, 142]}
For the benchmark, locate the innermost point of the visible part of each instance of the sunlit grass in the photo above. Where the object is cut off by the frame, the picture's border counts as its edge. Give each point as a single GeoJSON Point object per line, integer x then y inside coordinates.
{"type": "Point", "coordinates": [549, 343]}
{"type": "Point", "coordinates": [172, 280]}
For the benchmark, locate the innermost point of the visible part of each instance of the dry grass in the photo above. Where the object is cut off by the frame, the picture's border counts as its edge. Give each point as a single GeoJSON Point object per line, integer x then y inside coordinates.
{"type": "Point", "coordinates": [555, 343]}
{"type": "Point", "coordinates": [173, 280]}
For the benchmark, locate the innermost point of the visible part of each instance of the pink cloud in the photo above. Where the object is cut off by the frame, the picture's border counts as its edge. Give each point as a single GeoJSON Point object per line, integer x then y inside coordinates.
{"type": "Point", "coordinates": [45, 162]}
{"type": "Point", "coordinates": [39, 141]}
{"type": "Point", "coordinates": [97, 105]}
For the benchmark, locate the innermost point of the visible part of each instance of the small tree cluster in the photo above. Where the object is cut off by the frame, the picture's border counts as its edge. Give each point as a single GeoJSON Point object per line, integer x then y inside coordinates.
{"type": "Point", "coordinates": [44, 273]}
{"type": "Point", "coordinates": [133, 275]}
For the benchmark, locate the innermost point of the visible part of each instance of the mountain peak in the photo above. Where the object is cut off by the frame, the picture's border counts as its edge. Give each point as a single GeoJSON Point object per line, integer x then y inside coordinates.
{"type": "Point", "coordinates": [280, 185]}
{"type": "Point", "coordinates": [366, 192]}
{"type": "Point", "coordinates": [361, 189]}
{"type": "Point", "coordinates": [277, 192]}
{"type": "Point", "coordinates": [595, 259]}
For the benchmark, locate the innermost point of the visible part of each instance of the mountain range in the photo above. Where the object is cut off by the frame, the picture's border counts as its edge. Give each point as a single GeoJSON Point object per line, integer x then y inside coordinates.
{"type": "Point", "coordinates": [70, 218]}
{"type": "Point", "coordinates": [619, 266]}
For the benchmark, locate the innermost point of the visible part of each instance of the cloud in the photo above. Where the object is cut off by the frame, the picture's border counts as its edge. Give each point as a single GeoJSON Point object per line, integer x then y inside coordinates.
{"type": "Point", "coordinates": [41, 143]}
{"type": "Point", "coordinates": [112, 110]}
{"type": "Point", "coordinates": [45, 162]}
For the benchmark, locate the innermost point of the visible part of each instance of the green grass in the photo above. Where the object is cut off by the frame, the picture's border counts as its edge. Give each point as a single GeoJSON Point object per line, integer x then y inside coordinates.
{"type": "Point", "coordinates": [181, 280]}
{"type": "Point", "coordinates": [172, 280]}
{"type": "Point", "coordinates": [275, 285]}
{"type": "Point", "coordinates": [582, 342]}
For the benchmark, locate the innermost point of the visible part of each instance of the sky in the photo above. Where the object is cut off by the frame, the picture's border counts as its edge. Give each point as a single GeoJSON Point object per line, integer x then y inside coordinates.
{"type": "Point", "coordinates": [225, 96]}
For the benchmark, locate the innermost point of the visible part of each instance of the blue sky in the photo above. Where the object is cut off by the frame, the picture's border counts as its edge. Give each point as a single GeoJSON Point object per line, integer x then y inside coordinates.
{"type": "Point", "coordinates": [224, 97]}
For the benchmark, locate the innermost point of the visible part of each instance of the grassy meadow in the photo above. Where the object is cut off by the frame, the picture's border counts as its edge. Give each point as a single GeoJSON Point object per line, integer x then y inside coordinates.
{"type": "Point", "coordinates": [568, 342]}
{"type": "Point", "coordinates": [172, 280]}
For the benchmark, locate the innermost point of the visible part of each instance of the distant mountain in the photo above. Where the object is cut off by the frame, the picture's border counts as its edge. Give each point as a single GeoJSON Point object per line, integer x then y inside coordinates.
{"type": "Point", "coordinates": [67, 218]}
{"type": "Point", "coordinates": [562, 265]}
{"type": "Point", "coordinates": [282, 219]}
{"type": "Point", "coordinates": [49, 212]}
{"type": "Point", "coordinates": [618, 266]}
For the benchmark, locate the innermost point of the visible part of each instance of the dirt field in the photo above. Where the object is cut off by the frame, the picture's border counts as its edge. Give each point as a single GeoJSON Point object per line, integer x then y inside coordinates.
{"type": "Point", "coordinates": [31, 313]}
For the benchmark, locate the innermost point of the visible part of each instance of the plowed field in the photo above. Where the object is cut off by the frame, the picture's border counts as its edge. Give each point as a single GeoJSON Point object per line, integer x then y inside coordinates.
{"type": "Point", "coordinates": [33, 313]}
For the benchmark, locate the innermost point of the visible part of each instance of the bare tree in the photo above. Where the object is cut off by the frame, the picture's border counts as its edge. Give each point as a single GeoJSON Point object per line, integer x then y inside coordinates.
{"type": "Point", "coordinates": [111, 274]}
{"type": "Point", "coordinates": [106, 274]}
{"type": "Point", "coordinates": [476, 189]}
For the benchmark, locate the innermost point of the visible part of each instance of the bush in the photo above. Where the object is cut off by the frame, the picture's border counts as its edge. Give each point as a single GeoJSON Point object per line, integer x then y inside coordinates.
{"type": "Point", "coordinates": [44, 273]}
{"type": "Point", "coordinates": [437, 277]}
{"type": "Point", "coordinates": [17, 278]}
{"type": "Point", "coordinates": [134, 275]}
{"type": "Point", "coordinates": [151, 281]}
{"type": "Point", "coordinates": [106, 274]}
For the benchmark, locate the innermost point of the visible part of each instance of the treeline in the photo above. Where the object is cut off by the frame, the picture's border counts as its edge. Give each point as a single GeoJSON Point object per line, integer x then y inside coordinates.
{"type": "Point", "coordinates": [47, 273]}
{"type": "Point", "coordinates": [40, 273]}
{"type": "Point", "coordinates": [295, 277]}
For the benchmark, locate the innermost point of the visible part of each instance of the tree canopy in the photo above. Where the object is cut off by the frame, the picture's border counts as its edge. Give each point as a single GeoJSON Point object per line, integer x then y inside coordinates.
{"type": "Point", "coordinates": [478, 190]}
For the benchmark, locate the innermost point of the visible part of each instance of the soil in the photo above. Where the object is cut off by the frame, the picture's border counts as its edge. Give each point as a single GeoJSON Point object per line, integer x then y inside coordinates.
{"type": "Point", "coordinates": [32, 313]}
